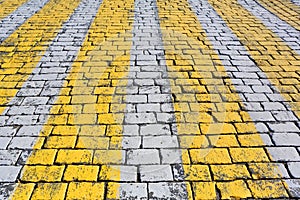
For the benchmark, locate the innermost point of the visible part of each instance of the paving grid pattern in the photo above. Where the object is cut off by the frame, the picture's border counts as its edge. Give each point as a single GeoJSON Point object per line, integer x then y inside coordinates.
{"type": "Point", "coordinates": [119, 105]}
{"type": "Point", "coordinates": [10, 23]}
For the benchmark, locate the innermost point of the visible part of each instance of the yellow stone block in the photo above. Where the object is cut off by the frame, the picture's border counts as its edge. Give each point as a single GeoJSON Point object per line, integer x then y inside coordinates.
{"type": "Point", "coordinates": [65, 130]}
{"type": "Point", "coordinates": [228, 117]}
{"type": "Point", "coordinates": [217, 128]}
{"type": "Point", "coordinates": [42, 173]}
{"type": "Point", "coordinates": [81, 173]}
{"type": "Point", "coordinates": [58, 142]}
{"type": "Point", "coordinates": [248, 155]}
{"type": "Point", "coordinates": [58, 119]}
{"type": "Point", "coordinates": [195, 117]}
{"type": "Point", "coordinates": [53, 191]}
{"type": "Point", "coordinates": [92, 130]}
{"type": "Point", "coordinates": [84, 190]}
{"type": "Point", "coordinates": [230, 172]}
{"type": "Point", "coordinates": [82, 119]}
{"type": "Point", "coordinates": [23, 191]}
{"type": "Point", "coordinates": [92, 142]}
{"type": "Point", "coordinates": [96, 108]}
{"type": "Point", "coordinates": [193, 142]}
{"type": "Point", "coordinates": [267, 189]}
{"type": "Point", "coordinates": [110, 173]}
{"type": "Point", "coordinates": [108, 157]}
{"type": "Point", "coordinates": [265, 170]}
{"type": "Point", "coordinates": [204, 190]}
{"type": "Point", "coordinates": [224, 141]}
{"type": "Point", "coordinates": [245, 127]}
{"type": "Point", "coordinates": [202, 107]}
{"type": "Point", "coordinates": [71, 156]}
{"type": "Point", "coordinates": [188, 129]}
{"type": "Point", "coordinates": [42, 156]}
{"type": "Point", "coordinates": [196, 173]}
{"type": "Point", "coordinates": [66, 109]}
{"type": "Point", "coordinates": [104, 90]}
{"type": "Point", "coordinates": [250, 140]}
{"type": "Point", "coordinates": [115, 118]}
{"type": "Point", "coordinates": [234, 190]}
{"type": "Point", "coordinates": [114, 130]}
{"type": "Point", "coordinates": [81, 99]}
{"type": "Point", "coordinates": [115, 143]}
{"type": "Point", "coordinates": [210, 156]}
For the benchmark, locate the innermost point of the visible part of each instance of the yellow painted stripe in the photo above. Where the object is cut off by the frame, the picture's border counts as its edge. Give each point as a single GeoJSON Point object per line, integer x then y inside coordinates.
{"type": "Point", "coordinates": [82, 138]}
{"type": "Point", "coordinates": [278, 61]}
{"type": "Point", "coordinates": [8, 6]}
{"type": "Point", "coordinates": [197, 68]}
{"type": "Point", "coordinates": [285, 10]}
{"type": "Point", "coordinates": [22, 50]}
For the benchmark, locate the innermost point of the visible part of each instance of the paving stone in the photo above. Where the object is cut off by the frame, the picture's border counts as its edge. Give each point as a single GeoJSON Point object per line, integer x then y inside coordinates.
{"type": "Point", "coordinates": [131, 142]}
{"type": "Point", "coordinates": [22, 142]}
{"type": "Point", "coordinates": [130, 130]}
{"type": "Point", "coordinates": [9, 157]}
{"type": "Point", "coordinates": [6, 189]}
{"type": "Point", "coordinates": [136, 98]}
{"type": "Point", "coordinates": [160, 142]}
{"type": "Point", "coordinates": [261, 116]}
{"type": "Point", "coordinates": [9, 173]}
{"type": "Point", "coordinates": [133, 191]}
{"type": "Point", "coordinates": [284, 153]}
{"type": "Point", "coordinates": [155, 107]}
{"type": "Point", "coordinates": [166, 118]}
{"type": "Point", "coordinates": [294, 168]}
{"type": "Point", "coordinates": [143, 156]}
{"type": "Point", "coordinates": [22, 120]}
{"type": "Point", "coordinates": [19, 110]}
{"type": "Point", "coordinates": [171, 156]}
{"type": "Point", "coordinates": [159, 98]}
{"type": "Point", "coordinates": [294, 187]}
{"type": "Point", "coordinates": [8, 131]}
{"type": "Point", "coordinates": [284, 127]}
{"type": "Point", "coordinates": [29, 130]}
{"type": "Point", "coordinates": [149, 90]}
{"type": "Point", "coordinates": [4, 141]}
{"type": "Point", "coordinates": [286, 139]}
{"type": "Point", "coordinates": [167, 190]}
{"type": "Point", "coordinates": [155, 129]}
{"type": "Point", "coordinates": [154, 173]}
{"type": "Point", "coordinates": [34, 101]}
{"type": "Point", "coordinates": [284, 116]}
{"type": "Point", "coordinates": [273, 106]}
{"type": "Point", "coordinates": [140, 118]}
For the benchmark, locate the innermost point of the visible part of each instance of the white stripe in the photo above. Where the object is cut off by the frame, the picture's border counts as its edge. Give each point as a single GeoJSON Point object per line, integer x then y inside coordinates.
{"type": "Point", "coordinates": [11, 22]}
{"type": "Point", "coordinates": [44, 85]}
{"type": "Point", "coordinates": [286, 32]}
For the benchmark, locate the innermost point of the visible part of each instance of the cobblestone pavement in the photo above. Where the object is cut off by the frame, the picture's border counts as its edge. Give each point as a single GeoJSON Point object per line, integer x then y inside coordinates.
{"type": "Point", "coordinates": [149, 99]}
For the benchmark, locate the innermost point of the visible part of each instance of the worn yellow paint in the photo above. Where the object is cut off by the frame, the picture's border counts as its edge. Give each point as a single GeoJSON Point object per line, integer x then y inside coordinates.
{"type": "Point", "coordinates": [230, 172]}
{"type": "Point", "coordinates": [196, 173]}
{"type": "Point", "coordinates": [275, 58]}
{"type": "Point", "coordinates": [36, 173]}
{"type": "Point", "coordinates": [225, 150]}
{"type": "Point", "coordinates": [23, 191]}
{"type": "Point", "coordinates": [74, 156]}
{"type": "Point", "coordinates": [267, 188]}
{"type": "Point", "coordinates": [85, 190]}
{"type": "Point", "coordinates": [8, 6]}
{"type": "Point", "coordinates": [54, 191]}
{"type": "Point", "coordinates": [22, 50]}
{"type": "Point", "coordinates": [285, 10]}
{"type": "Point", "coordinates": [234, 190]}
{"type": "Point", "coordinates": [85, 108]}
{"type": "Point", "coordinates": [81, 173]}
